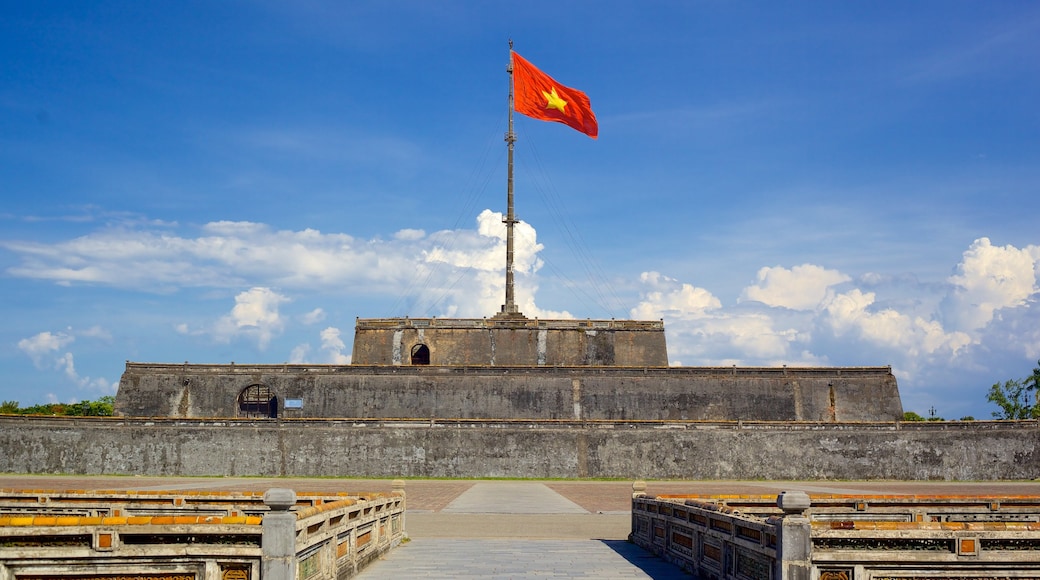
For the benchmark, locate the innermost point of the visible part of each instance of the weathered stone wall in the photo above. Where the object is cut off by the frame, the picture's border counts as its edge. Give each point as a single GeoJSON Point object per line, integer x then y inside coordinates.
{"type": "Point", "coordinates": [983, 450]}
{"type": "Point", "coordinates": [582, 393]}
{"type": "Point", "coordinates": [511, 342]}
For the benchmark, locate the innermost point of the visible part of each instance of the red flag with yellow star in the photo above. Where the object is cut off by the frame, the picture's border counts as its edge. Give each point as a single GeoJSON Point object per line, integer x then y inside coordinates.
{"type": "Point", "coordinates": [538, 96]}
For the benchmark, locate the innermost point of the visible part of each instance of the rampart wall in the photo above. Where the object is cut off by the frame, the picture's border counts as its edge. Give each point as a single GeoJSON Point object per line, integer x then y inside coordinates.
{"type": "Point", "coordinates": [832, 394]}
{"type": "Point", "coordinates": [978, 450]}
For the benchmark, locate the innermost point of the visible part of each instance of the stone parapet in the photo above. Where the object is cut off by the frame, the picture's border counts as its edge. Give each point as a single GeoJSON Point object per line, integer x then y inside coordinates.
{"type": "Point", "coordinates": [197, 534]}
{"type": "Point", "coordinates": [554, 324]}
{"type": "Point", "coordinates": [841, 537]}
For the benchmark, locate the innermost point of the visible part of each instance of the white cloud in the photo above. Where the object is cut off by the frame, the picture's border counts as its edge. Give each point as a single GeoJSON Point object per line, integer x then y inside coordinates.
{"type": "Point", "coordinates": [463, 270]}
{"type": "Point", "coordinates": [255, 315]}
{"type": "Point", "coordinates": [410, 234]}
{"type": "Point", "coordinates": [667, 298]}
{"type": "Point", "coordinates": [988, 279]}
{"type": "Point", "coordinates": [43, 345]}
{"type": "Point", "coordinates": [933, 334]}
{"type": "Point", "coordinates": [912, 337]}
{"type": "Point", "coordinates": [334, 346]}
{"type": "Point", "coordinates": [299, 353]}
{"type": "Point", "coordinates": [313, 317]}
{"type": "Point", "coordinates": [802, 287]}
{"type": "Point", "coordinates": [48, 352]}
{"type": "Point", "coordinates": [440, 273]}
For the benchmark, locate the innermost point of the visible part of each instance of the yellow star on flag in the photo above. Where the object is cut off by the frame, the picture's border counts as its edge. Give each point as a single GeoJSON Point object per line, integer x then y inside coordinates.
{"type": "Point", "coordinates": [553, 101]}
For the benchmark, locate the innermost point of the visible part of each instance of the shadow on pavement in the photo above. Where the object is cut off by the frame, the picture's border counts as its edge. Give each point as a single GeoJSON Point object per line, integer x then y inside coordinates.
{"type": "Point", "coordinates": [654, 567]}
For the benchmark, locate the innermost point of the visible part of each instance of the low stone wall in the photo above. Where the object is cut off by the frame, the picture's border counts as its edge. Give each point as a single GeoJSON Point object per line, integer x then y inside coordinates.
{"type": "Point", "coordinates": [978, 450]}
{"type": "Point", "coordinates": [186, 535]}
{"type": "Point", "coordinates": [797, 536]}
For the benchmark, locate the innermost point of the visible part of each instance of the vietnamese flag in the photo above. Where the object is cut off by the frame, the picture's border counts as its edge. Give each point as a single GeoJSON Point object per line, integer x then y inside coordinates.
{"type": "Point", "coordinates": [538, 96]}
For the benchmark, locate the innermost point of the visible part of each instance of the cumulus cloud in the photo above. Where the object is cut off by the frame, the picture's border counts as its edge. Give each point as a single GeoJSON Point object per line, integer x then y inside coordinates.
{"type": "Point", "coordinates": [802, 287]}
{"type": "Point", "coordinates": [299, 353]}
{"type": "Point", "coordinates": [463, 270]}
{"type": "Point", "coordinates": [48, 352]}
{"type": "Point", "coordinates": [44, 345]}
{"type": "Point", "coordinates": [313, 317]}
{"type": "Point", "coordinates": [702, 332]}
{"type": "Point", "coordinates": [332, 349]}
{"type": "Point", "coordinates": [410, 234]}
{"type": "Point", "coordinates": [988, 279]}
{"type": "Point", "coordinates": [334, 346]}
{"type": "Point", "coordinates": [254, 315]}
{"type": "Point", "coordinates": [440, 272]}
{"type": "Point", "coordinates": [810, 314]}
{"type": "Point", "coordinates": [911, 336]}
{"type": "Point", "coordinates": [667, 297]}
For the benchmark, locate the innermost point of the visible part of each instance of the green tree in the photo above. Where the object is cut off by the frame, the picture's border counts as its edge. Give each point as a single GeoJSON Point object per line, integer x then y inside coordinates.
{"type": "Point", "coordinates": [911, 416]}
{"type": "Point", "coordinates": [103, 407]}
{"type": "Point", "coordinates": [1014, 399]}
{"type": "Point", "coordinates": [1032, 382]}
{"type": "Point", "coordinates": [99, 408]}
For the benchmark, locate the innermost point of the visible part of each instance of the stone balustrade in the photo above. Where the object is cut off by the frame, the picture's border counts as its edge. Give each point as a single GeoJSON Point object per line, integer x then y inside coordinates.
{"type": "Point", "coordinates": [842, 537]}
{"type": "Point", "coordinates": [199, 535]}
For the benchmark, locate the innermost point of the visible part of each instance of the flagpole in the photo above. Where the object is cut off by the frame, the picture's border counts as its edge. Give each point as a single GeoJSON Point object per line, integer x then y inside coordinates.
{"type": "Point", "coordinates": [509, 309]}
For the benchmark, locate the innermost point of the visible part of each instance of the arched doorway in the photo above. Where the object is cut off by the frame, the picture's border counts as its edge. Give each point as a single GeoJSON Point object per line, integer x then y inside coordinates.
{"type": "Point", "coordinates": [420, 354]}
{"type": "Point", "coordinates": [257, 401]}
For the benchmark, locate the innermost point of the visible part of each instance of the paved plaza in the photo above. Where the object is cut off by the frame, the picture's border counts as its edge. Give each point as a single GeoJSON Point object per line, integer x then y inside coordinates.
{"type": "Point", "coordinates": [516, 529]}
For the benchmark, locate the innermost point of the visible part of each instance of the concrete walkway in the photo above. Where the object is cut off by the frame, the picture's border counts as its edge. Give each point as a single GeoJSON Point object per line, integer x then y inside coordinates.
{"type": "Point", "coordinates": [496, 558]}
{"type": "Point", "coordinates": [510, 497]}
{"type": "Point", "coordinates": [518, 530]}
{"type": "Point", "coordinates": [516, 509]}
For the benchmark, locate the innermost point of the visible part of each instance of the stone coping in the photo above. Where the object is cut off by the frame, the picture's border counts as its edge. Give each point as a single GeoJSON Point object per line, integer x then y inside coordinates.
{"type": "Point", "coordinates": [820, 499]}
{"type": "Point", "coordinates": [512, 323]}
{"type": "Point", "coordinates": [731, 505]}
{"type": "Point", "coordinates": [307, 505]}
{"type": "Point", "coordinates": [690, 424]}
{"type": "Point", "coordinates": [61, 521]}
{"type": "Point", "coordinates": [316, 498]}
{"type": "Point", "coordinates": [590, 371]}
{"type": "Point", "coordinates": [943, 526]}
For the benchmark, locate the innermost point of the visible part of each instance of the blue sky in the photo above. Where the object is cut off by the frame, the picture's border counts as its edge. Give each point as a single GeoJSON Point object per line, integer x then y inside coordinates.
{"type": "Point", "coordinates": [817, 183]}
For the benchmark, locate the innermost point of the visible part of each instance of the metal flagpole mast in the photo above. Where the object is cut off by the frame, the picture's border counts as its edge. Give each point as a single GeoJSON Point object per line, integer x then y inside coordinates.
{"type": "Point", "coordinates": [509, 308]}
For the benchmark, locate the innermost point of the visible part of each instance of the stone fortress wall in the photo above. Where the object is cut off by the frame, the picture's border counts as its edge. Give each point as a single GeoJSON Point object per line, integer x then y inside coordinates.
{"type": "Point", "coordinates": [963, 450]}
{"type": "Point", "coordinates": [509, 392]}
{"type": "Point", "coordinates": [437, 399]}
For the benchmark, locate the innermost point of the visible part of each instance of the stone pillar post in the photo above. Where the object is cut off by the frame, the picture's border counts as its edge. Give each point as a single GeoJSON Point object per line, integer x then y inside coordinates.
{"type": "Point", "coordinates": [397, 488]}
{"type": "Point", "coordinates": [638, 488]}
{"type": "Point", "coordinates": [794, 539]}
{"type": "Point", "coordinates": [278, 538]}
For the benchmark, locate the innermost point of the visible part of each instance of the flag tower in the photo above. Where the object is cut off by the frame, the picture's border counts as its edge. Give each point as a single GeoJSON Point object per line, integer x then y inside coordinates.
{"type": "Point", "coordinates": [509, 309]}
{"type": "Point", "coordinates": [536, 95]}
